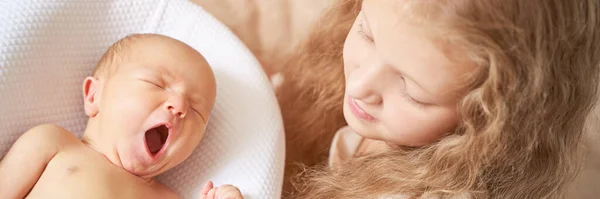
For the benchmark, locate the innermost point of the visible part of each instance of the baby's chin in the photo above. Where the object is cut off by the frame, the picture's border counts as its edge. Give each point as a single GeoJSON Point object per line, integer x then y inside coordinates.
{"type": "Point", "coordinates": [153, 153]}
{"type": "Point", "coordinates": [145, 171]}
{"type": "Point", "coordinates": [148, 156]}
{"type": "Point", "coordinates": [136, 161]}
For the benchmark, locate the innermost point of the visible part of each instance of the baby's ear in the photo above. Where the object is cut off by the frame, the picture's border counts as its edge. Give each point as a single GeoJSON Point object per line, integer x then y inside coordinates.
{"type": "Point", "coordinates": [90, 90]}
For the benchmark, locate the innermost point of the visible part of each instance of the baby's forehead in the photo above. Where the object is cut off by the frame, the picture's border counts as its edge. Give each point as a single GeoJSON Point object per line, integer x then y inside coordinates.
{"type": "Point", "coordinates": [123, 51]}
{"type": "Point", "coordinates": [154, 41]}
{"type": "Point", "coordinates": [157, 48]}
{"type": "Point", "coordinates": [162, 52]}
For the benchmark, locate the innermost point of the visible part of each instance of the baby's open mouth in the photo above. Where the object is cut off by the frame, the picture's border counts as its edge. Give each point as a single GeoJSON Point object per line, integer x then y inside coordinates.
{"type": "Point", "coordinates": [156, 138]}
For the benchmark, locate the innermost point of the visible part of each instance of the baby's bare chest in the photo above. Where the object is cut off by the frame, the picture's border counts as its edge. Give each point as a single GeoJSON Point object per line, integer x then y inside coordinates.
{"type": "Point", "coordinates": [83, 174]}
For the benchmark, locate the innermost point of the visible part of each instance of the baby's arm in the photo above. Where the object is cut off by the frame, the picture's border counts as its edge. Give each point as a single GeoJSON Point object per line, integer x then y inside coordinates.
{"type": "Point", "coordinates": [27, 158]}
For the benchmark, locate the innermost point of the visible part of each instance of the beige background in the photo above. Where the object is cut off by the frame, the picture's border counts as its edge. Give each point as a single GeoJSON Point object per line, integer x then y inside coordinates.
{"type": "Point", "coordinates": [270, 28]}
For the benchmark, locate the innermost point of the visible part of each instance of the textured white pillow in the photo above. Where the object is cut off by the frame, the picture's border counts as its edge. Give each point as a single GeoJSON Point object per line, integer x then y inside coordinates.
{"type": "Point", "coordinates": [47, 47]}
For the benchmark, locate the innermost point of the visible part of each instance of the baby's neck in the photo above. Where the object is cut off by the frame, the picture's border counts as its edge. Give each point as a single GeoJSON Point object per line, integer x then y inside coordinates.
{"type": "Point", "coordinates": [91, 139]}
{"type": "Point", "coordinates": [88, 140]}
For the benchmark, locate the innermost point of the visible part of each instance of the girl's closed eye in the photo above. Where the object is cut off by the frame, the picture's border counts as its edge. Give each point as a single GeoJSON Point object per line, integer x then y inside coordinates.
{"type": "Point", "coordinates": [412, 100]}
{"type": "Point", "coordinates": [409, 98]}
{"type": "Point", "coordinates": [361, 31]}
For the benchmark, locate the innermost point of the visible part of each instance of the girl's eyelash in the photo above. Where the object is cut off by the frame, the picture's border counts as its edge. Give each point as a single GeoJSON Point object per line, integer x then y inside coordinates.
{"type": "Point", "coordinates": [410, 99]}
{"type": "Point", "coordinates": [361, 31]}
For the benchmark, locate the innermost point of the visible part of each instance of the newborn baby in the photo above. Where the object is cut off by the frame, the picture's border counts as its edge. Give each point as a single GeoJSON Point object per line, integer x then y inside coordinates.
{"type": "Point", "coordinates": [148, 103]}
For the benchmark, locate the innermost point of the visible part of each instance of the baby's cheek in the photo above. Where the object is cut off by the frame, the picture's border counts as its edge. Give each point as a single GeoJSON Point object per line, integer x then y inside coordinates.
{"type": "Point", "coordinates": [191, 141]}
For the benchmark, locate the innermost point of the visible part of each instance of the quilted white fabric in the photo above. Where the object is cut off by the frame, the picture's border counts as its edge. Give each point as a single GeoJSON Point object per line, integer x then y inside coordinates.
{"type": "Point", "coordinates": [47, 47]}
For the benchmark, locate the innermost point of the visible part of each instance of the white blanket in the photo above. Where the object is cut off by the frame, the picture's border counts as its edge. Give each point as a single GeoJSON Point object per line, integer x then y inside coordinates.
{"type": "Point", "coordinates": [47, 47]}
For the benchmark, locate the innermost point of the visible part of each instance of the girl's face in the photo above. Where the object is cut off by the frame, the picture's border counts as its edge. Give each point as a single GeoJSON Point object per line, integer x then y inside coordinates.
{"type": "Point", "coordinates": [400, 86]}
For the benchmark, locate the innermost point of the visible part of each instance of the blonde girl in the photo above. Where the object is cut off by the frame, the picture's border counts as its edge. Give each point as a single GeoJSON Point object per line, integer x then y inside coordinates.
{"type": "Point", "coordinates": [441, 98]}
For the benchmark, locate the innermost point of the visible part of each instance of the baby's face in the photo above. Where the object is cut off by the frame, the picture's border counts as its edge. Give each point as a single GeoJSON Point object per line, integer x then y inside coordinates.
{"type": "Point", "coordinates": [154, 109]}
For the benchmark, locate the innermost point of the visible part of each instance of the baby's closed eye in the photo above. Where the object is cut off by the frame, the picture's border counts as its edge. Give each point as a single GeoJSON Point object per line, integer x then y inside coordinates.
{"type": "Point", "coordinates": [154, 82]}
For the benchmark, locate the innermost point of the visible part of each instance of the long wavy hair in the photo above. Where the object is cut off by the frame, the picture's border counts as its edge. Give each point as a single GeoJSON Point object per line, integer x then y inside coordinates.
{"type": "Point", "coordinates": [521, 124]}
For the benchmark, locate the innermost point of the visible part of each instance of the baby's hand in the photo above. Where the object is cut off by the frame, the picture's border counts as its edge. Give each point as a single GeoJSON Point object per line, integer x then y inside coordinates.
{"type": "Point", "coordinates": [222, 192]}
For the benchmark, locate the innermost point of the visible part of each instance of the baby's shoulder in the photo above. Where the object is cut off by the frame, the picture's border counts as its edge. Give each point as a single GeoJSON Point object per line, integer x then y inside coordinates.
{"type": "Point", "coordinates": [49, 135]}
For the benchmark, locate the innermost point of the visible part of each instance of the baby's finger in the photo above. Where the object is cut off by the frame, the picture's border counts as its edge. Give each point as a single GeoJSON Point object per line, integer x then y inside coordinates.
{"type": "Point", "coordinates": [228, 192]}
{"type": "Point", "coordinates": [207, 187]}
{"type": "Point", "coordinates": [211, 194]}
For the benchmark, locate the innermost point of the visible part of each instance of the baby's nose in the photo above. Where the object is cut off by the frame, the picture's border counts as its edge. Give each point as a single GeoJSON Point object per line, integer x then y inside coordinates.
{"type": "Point", "coordinates": [177, 105]}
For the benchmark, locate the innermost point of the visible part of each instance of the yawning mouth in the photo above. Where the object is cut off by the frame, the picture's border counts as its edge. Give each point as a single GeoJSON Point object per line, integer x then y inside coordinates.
{"type": "Point", "coordinates": [156, 138]}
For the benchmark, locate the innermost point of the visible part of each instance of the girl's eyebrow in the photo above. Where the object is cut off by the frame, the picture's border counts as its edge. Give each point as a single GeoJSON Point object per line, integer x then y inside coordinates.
{"type": "Point", "coordinates": [402, 72]}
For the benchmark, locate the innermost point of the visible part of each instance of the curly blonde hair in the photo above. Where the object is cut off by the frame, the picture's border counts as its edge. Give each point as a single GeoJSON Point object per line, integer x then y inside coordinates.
{"type": "Point", "coordinates": [521, 125]}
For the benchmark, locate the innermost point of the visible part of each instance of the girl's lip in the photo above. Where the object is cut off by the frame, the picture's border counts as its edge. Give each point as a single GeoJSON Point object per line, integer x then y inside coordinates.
{"type": "Point", "coordinates": [358, 111]}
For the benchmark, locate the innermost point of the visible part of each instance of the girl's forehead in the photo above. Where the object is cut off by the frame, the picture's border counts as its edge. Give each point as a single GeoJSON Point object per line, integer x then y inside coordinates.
{"type": "Point", "coordinates": [415, 52]}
